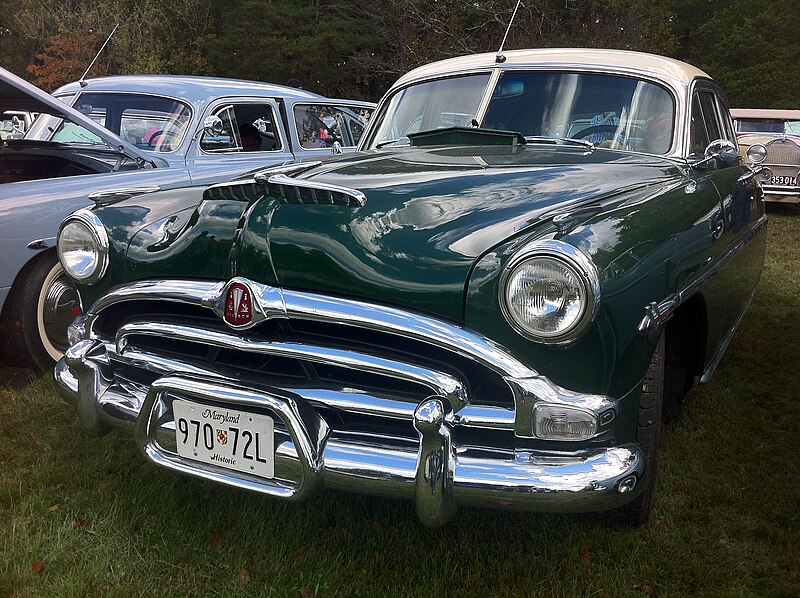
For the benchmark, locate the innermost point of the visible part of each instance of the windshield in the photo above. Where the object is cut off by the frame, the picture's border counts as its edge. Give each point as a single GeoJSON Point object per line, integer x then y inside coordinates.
{"type": "Point", "coordinates": [607, 110]}
{"type": "Point", "coordinates": [766, 125]}
{"type": "Point", "coordinates": [430, 105]}
{"type": "Point", "coordinates": [149, 122]}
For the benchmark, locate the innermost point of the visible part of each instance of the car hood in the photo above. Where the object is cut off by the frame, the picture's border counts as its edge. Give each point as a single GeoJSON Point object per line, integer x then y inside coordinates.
{"type": "Point", "coordinates": [428, 214]}
{"type": "Point", "coordinates": [18, 94]}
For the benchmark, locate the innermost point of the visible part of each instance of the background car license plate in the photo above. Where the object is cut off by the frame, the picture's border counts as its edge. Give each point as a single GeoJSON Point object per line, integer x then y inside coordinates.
{"type": "Point", "coordinates": [232, 439]}
{"type": "Point", "coordinates": [784, 181]}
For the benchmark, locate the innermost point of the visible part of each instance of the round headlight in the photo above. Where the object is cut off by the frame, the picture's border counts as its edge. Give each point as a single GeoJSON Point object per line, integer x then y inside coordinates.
{"type": "Point", "coordinates": [756, 153]}
{"type": "Point", "coordinates": [550, 292]}
{"type": "Point", "coordinates": [83, 247]}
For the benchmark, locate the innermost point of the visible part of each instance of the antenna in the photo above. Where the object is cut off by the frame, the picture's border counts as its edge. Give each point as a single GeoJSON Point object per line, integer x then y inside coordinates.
{"type": "Point", "coordinates": [500, 58]}
{"type": "Point", "coordinates": [82, 80]}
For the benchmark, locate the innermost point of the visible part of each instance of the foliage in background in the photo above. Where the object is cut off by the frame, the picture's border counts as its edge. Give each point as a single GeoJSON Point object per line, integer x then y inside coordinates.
{"type": "Point", "coordinates": [356, 48]}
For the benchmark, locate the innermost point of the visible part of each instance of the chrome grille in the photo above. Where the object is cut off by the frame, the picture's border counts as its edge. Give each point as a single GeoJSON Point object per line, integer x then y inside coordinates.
{"type": "Point", "coordinates": [783, 157]}
{"type": "Point", "coordinates": [360, 379]}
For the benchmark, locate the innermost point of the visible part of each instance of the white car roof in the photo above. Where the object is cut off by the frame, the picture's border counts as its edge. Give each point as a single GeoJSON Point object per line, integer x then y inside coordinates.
{"type": "Point", "coordinates": [613, 60]}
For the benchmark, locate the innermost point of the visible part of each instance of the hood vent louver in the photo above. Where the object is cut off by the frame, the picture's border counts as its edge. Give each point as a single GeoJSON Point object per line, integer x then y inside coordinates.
{"type": "Point", "coordinates": [299, 191]}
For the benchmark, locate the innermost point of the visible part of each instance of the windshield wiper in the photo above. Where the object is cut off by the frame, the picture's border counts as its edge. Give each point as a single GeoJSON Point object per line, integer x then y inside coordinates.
{"type": "Point", "coordinates": [390, 142]}
{"type": "Point", "coordinates": [560, 141]}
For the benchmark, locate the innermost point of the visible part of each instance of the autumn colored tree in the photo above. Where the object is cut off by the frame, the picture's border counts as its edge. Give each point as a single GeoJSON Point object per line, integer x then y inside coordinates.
{"type": "Point", "coordinates": [64, 59]}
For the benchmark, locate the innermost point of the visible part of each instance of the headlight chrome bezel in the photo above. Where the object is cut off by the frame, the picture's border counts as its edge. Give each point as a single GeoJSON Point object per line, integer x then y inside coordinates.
{"type": "Point", "coordinates": [757, 153]}
{"type": "Point", "coordinates": [580, 266]}
{"type": "Point", "coordinates": [99, 236]}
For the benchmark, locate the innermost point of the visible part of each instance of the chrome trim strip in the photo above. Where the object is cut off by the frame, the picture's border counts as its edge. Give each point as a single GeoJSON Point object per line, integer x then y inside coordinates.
{"type": "Point", "coordinates": [487, 94]}
{"type": "Point", "coordinates": [712, 366]}
{"type": "Point", "coordinates": [439, 382]}
{"type": "Point", "coordinates": [104, 198]}
{"type": "Point", "coordinates": [282, 181]}
{"type": "Point", "coordinates": [657, 314]}
{"type": "Point", "coordinates": [262, 176]}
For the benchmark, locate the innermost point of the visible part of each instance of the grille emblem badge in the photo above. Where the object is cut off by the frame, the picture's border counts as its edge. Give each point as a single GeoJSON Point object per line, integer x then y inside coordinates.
{"type": "Point", "coordinates": [238, 305]}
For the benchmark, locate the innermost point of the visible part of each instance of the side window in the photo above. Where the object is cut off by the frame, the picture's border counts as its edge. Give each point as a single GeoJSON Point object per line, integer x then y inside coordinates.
{"type": "Point", "coordinates": [224, 140]}
{"type": "Point", "coordinates": [698, 132]}
{"type": "Point", "coordinates": [320, 125]}
{"type": "Point", "coordinates": [245, 128]}
{"type": "Point", "coordinates": [726, 120]}
{"type": "Point", "coordinates": [711, 115]}
{"type": "Point", "coordinates": [710, 121]}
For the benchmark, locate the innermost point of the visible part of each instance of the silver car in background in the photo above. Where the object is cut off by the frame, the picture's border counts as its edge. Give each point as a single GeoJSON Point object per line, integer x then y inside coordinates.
{"type": "Point", "coordinates": [107, 139]}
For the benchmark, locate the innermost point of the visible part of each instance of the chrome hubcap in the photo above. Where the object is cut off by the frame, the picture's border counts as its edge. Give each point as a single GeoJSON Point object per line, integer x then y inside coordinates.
{"type": "Point", "coordinates": [61, 306]}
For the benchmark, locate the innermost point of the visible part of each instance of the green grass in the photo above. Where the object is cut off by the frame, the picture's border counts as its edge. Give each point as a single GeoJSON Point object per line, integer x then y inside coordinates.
{"type": "Point", "coordinates": [104, 522]}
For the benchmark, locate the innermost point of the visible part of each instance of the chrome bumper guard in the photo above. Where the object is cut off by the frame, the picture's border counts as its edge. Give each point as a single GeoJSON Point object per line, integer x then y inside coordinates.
{"type": "Point", "coordinates": [436, 473]}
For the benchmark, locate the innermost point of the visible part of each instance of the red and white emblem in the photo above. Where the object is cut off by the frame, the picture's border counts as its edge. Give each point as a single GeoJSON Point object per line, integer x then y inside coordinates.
{"type": "Point", "coordinates": [222, 436]}
{"type": "Point", "coordinates": [238, 305]}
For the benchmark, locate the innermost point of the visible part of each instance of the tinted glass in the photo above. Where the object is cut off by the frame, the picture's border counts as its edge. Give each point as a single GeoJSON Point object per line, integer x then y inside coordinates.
{"type": "Point", "coordinates": [608, 110]}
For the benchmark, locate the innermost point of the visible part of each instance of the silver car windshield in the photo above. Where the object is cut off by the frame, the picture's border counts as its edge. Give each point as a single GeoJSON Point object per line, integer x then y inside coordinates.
{"type": "Point", "coordinates": [605, 110]}
{"type": "Point", "coordinates": [151, 123]}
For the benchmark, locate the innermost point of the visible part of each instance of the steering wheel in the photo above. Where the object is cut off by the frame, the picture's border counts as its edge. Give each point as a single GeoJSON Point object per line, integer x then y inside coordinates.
{"type": "Point", "coordinates": [152, 141]}
{"type": "Point", "coordinates": [610, 129]}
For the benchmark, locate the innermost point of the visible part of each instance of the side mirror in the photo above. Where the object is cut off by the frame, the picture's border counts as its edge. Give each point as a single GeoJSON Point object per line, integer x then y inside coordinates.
{"type": "Point", "coordinates": [723, 149]}
{"type": "Point", "coordinates": [720, 149]}
{"type": "Point", "coordinates": [336, 148]}
{"type": "Point", "coordinates": [213, 125]}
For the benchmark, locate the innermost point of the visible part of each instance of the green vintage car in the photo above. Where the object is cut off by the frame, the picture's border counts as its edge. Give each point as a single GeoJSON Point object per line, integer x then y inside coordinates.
{"type": "Point", "coordinates": [491, 304]}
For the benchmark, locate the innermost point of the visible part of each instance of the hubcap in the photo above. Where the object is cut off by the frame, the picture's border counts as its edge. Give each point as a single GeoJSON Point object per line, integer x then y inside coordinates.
{"type": "Point", "coordinates": [61, 306]}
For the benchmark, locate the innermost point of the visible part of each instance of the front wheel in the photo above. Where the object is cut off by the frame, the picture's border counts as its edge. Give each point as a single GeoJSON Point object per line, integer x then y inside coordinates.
{"type": "Point", "coordinates": [40, 307]}
{"type": "Point", "coordinates": [648, 436]}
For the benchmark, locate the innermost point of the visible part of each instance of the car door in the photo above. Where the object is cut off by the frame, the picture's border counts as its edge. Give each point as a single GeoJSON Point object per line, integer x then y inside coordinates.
{"type": "Point", "coordinates": [219, 155]}
{"type": "Point", "coordinates": [740, 217]}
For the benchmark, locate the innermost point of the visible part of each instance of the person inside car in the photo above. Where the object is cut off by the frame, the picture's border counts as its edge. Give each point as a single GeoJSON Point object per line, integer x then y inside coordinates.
{"type": "Point", "coordinates": [251, 138]}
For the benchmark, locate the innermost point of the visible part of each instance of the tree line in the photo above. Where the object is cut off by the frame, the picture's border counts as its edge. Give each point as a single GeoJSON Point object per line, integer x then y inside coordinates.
{"type": "Point", "coordinates": [357, 48]}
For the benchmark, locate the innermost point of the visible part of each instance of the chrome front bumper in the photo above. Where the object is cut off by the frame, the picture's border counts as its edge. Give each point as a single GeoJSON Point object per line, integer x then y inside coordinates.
{"type": "Point", "coordinates": [434, 472]}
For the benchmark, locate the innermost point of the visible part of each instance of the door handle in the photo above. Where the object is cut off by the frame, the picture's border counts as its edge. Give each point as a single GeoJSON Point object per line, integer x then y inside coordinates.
{"type": "Point", "coordinates": [719, 228]}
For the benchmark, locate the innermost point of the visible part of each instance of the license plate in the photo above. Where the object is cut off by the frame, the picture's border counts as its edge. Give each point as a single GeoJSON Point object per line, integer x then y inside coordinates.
{"type": "Point", "coordinates": [784, 181]}
{"type": "Point", "coordinates": [226, 438]}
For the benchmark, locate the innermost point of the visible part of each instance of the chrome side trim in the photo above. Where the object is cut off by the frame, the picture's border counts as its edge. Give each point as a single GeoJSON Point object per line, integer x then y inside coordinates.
{"type": "Point", "coordinates": [104, 198]}
{"type": "Point", "coordinates": [262, 176]}
{"type": "Point", "coordinates": [657, 314]}
{"type": "Point", "coordinates": [707, 375]}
